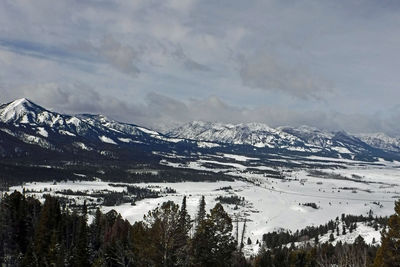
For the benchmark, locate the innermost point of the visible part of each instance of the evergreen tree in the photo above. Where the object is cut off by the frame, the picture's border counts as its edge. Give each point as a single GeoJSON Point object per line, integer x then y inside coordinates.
{"type": "Point", "coordinates": [199, 248]}
{"type": "Point", "coordinates": [50, 218]}
{"type": "Point", "coordinates": [201, 213]}
{"type": "Point", "coordinates": [214, 241]}
{"type": "Point", "coordinates": [163, 222]}
{"type": "Point", "coordinates": [96, 230]}
{"type": "Point", "coordinates": [389, 252]}
{"type": "Point", "coordinates": [331, 238]}
{"type": "Point", "coordinates": [18, 215]}
{"type": "Point", "coordinates": [54, 249]}
{"type": "Point", "coordinates": [81, 255]}
{"type": "Point", "coordinates": [264, 258]}
{"type": "Point", "coordinates": [142, 245]}
{"type": "Point", "coordinates": [182, 236]}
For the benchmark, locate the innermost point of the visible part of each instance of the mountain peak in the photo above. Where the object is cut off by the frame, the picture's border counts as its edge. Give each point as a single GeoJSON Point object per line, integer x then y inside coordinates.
{"type": "Point", "coordinates": [17, 109]}
{"type": "Point", "coordinates": [21, 102]}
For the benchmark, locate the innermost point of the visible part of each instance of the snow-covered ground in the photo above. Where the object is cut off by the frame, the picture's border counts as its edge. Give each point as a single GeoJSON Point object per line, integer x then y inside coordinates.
{"type": "Point", "coordinates": [367, 232]}
{"type": "Point", "coordinates": [270, 203]}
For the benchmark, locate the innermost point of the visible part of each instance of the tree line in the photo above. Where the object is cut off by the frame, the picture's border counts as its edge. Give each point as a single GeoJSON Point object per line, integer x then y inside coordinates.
{"type": "Point", "coordinates": [50, 234]}
{"type": "Point", "coordinates": [339, 226]}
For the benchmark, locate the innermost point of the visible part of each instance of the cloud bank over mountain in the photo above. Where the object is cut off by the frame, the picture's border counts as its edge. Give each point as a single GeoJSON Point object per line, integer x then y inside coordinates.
{"type": "Point", "coordinates": [330, 65]}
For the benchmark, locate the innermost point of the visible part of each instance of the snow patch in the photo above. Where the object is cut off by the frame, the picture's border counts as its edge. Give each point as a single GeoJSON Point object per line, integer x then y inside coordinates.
{"type": "Point", "coordinates": [239, 157]}
{"type": "Point", "coordinates": [43, 132]}
{"type": "Point", "coordinates": [147, 131]}
{"type": "Point", "coordinates": [341, 150]}
{"type": "Point", "coordinates": [207, 145]}
{"type": "Point", "coordinates": [66, 133]}
{"type": "Point", "coordinates": [81, 146]}
{"type": "Point", "coordinates": [24, 119]}
{"type": "Point", "coordinates": [74, 120]}
{"type": "Point", "coordinates": [125, 140]}
{"type": "Point", "coordinates": [106, 139]}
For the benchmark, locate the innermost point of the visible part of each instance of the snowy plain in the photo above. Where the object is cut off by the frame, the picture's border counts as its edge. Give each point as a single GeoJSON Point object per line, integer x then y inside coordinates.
{"type": "Point", "coordinates": [270, 204]}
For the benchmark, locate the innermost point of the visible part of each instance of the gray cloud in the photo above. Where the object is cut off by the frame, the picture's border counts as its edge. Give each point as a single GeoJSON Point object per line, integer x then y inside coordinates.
{"type": "Point", "coordinates": [162, 112]}
{"type": "Point", "coordinates": [72, 99]}
{"type": "Point", "coordinates": [122, 57]}
{"type": "Point", "coordinates": [264, 71]}
{"type": "Point", "coordinates": [166, 112]}
{"type": "Point", "coordinates": [127, 58]}
{"type": "Point", "coordinates": [330, 64]}
{"type": "Point", "coordinates": [187, 61]}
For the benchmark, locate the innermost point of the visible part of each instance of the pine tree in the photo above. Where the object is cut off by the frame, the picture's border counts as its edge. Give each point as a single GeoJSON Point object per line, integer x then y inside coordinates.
{"type": "Point", "coordinates": [117, 251]}
{"type": "Point", "coordinates": [200, 245]}
{"type": "Point", "coordinates": [264, 258]}
{"type": "Point", "coordinates": [389, 252]}
{"type": "Point", "coordinates": [182, 236]}
{"type": "Point", "coordinates": [163, 222]}
{"type": "Point", "coordinates": [214, 240]}
{"type": "Point", "coordinates": [142, 245]}
{"type": "Point", "coordinates": [54, 248]}
{"type": "Point", "coordinates": [201, 213]}
{"type": "Point", "coordinates": [184, 223]}
{"type": "Point", "coordinates": [316, 240]}
{"type": "Point", "coordinates": [50, 218]}
{"type": "Point", "coordinates": [18, 215]}
{"type": "Point", "coordinates": [96, 230]}
{"type": "Point", "coordinates": [331, 238]}
{"type": "Point", "coordinates": [29, 259]}
{"type": "Point", "coordinates": [81, 255]}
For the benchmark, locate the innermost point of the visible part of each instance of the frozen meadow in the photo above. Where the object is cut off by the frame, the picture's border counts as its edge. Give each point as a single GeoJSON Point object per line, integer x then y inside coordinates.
{"type": "Point", "coordinates": [270, 204]}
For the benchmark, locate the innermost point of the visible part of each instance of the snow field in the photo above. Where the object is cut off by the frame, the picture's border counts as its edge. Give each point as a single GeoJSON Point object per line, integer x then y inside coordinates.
{"type": "Point", "coordinates": [271, 204]}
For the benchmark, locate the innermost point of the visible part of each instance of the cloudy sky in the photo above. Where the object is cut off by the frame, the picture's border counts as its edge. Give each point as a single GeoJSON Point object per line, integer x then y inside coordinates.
{"type": "Point", "coordinates": [328, 64]}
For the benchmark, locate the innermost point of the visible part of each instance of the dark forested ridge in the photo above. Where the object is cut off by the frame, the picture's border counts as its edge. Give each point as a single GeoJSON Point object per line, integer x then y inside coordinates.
{"type": "Point", "coordinates": [14, 174]}
{"type": "Point", "coordinates": [50, 234]}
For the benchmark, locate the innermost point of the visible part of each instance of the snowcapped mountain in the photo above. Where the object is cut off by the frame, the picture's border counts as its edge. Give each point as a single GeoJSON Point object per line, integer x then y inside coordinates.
{"type": "Point", "coordinates": [304, 138]}
{"type": "Point", "coordinates": [25, 126]}
{"type": "Point", "coordinates": [24, 114]}
{"type": "Point", "coordinates": [100, 121]}
{"type": "Point", "coordinates": [255, 134]}
{"type": "Point", "coordinates": [32, 124]}
{"type": "Point", "coordinates": [381, 141]}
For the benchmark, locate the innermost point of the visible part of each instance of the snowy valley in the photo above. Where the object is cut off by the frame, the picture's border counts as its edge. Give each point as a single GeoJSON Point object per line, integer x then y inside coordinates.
{"type": "Point", "coordinates": [271, 179]}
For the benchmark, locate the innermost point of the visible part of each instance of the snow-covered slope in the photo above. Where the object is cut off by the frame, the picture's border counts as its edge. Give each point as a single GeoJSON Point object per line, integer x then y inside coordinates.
{"type": "Point", "coordinates": [304, 138]}
{"type": "Point", "coordinates": [23, 112]}
{"type": "Point", "coordinates": [35, 125]}
{"type": "Point", "coordinates": [309, 135]}
{"type": "Point", "coordinates": [25, 116]}
{"type": "Point", "coordinates": [101, 121]}
{"type": "Point", "coordinates": [256, 134]}
{"type": "Point", "coordinates": [382, 141]}
{"type": "Point", "coordinates": [32, 124]}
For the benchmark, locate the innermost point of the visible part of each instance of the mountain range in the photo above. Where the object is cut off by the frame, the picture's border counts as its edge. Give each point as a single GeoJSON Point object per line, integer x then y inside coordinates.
{"type": "Point", "coordinates": [31, 132]}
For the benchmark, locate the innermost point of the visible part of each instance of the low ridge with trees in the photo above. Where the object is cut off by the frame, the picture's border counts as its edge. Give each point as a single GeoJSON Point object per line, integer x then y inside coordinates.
{"type": "Point", "coordinates": [52, 234]}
